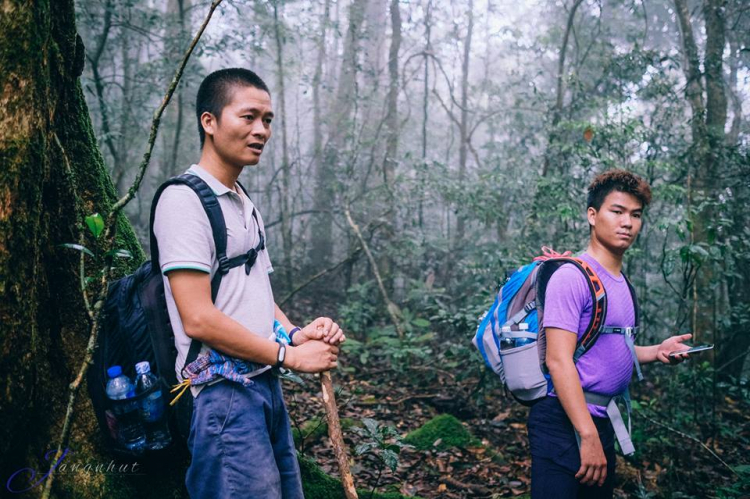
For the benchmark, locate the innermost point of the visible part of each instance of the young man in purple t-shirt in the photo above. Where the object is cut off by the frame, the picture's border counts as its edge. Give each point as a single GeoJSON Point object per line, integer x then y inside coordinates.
{"type": "Point", "coordinates": [566, 465]}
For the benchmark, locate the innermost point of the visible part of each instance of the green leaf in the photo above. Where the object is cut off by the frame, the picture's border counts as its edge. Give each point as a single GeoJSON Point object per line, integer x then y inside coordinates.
{"type": "Point", "coordinates": [371, 425]}
{"type": "Point", "coordinates": [291, 376]}
{"type": "Point", "coordinates": [364, 448]}
{"type": "Point", "coordinates": [390, 458]}
{"type": "Point", "coordinates": [119, 253]}
{"type": "Point", "coordinates": [425, 338]}
{"type": "Point", "coordinates": [95, 223]}
{"type": "Point", "coordinates": [78, 247]}
{"type": "Point", "coordinates": [421, 322]}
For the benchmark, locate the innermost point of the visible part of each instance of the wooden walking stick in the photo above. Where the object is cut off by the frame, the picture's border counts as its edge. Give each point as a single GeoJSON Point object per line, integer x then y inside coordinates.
{"type": "Point", "coordinates": [334, 433]}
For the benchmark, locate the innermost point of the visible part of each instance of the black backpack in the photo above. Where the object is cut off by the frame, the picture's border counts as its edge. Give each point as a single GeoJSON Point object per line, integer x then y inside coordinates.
{"type": "Point", "coordinates": [136, 326]}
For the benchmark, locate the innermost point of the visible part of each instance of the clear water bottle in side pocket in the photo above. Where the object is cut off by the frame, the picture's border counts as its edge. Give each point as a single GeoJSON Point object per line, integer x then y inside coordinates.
{"type": "Point", "coordinates": [524, 328]}
{"type": "Point", "coordinates": [153, 409]}
{"type": "Point", "coordinates": [129, 432]}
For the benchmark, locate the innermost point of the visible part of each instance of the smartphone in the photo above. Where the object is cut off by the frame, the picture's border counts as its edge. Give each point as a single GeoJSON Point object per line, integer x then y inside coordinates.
{"type": "Point", "coordinates": [696, 348]}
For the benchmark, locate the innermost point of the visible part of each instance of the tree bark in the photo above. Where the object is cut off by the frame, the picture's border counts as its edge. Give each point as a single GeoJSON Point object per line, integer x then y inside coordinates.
{"type": "Point", "coordinates": [316, 84]}
{"type": "Point", "coordinates": [44, 126]}
{"type": "Point", "coordinates": [425, 106]}
{"type": "Point", "coordinates": [321, 227]}
{"type": "Point", "coordinates": [560, 92]}
{"type": "Point", "coordinates": [392, 118]}
{"type": "Point", "coordinates": [732, 88]}
{"type": "Point", "coordinates": [94, 58]}
{"type": "Point", "coordinates": [286, 221]}
{"type": "Point", "coordinates": [464, 124]}
{"type": "Point", "coordinates": [709, 116]}
{"type": "Point", "coordinates": [174, 167]}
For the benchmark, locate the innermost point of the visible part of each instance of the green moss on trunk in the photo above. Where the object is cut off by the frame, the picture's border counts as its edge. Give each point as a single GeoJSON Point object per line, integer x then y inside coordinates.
{"type": "Point", "coordinates": [44, 330]}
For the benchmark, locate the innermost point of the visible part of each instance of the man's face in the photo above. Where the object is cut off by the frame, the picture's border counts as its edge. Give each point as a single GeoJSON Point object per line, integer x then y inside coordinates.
{"type": "Point", "coordinates": [243, 129]}
{"type": "Point", "coordinates": [617, 223]}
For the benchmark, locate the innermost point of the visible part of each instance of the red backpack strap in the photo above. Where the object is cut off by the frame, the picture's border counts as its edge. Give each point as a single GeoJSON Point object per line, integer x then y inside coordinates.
{"type": "Point", "coordinates": [598, 297]}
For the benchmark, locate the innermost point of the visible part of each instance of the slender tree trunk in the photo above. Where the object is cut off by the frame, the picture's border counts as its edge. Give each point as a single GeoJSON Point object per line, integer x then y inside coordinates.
{"type": "Point", "coordinates": [732, 88]}
{"type": "Point", "coordinates": [52, 175]}
{"type": "Point", "coordinates": [390, 160]}
{"type": "Point", "coordinates": [560, 92]}
{"type": "Point", "coordinates": [321, 249]}
{"type": "Point", "coordinates": [708, 121]}
{"type": "Point", "coordinates": [392, 117]}
{"type": "Point", "coordinates": [118, 173]}
{"type": "Point", "coordinates": [464, 126]}
{"type": "Point", "coordinates": [317, 83]}
{"type": "Point", "coordinates": [425, 105]}
{"type": "Point", "coordinates": [286, 221]}
{"type": "Point", "coordinates": [174, 167]}
{"type": "Point", "coordinates": [94, 58]}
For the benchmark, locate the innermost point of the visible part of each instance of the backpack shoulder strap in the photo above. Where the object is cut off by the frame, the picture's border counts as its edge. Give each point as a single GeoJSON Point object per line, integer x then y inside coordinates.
{"type": "Point", "coordinates": [598, 298]}
{"type": "Point", "coordinates": [634, 296]}
{"type": "Point", "coordinates": [210, 204]}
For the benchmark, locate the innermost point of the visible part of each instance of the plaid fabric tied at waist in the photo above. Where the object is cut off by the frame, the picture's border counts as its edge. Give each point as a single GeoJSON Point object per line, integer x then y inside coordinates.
{"type": "Point", "coordinates": [213, 365]}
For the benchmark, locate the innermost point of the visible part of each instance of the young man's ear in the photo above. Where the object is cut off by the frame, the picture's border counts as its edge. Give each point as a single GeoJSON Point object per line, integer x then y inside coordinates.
{"type": "Point", "coordinates": [208, 122]}
{"type": "Point", "coordinates": [591, 215]}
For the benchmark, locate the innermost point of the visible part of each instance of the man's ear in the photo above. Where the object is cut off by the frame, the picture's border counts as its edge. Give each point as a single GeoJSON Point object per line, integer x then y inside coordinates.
{"type": "Point", "coordinates": [208, 122]}
{"type": "Point", "coordinates": [591, 215]}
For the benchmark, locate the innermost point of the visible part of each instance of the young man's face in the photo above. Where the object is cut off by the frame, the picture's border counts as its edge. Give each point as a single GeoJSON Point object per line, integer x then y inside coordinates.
{"type": "Point", "coordinates": [617, 223]}
{"type": "Point", "coordinates": [244, 127]}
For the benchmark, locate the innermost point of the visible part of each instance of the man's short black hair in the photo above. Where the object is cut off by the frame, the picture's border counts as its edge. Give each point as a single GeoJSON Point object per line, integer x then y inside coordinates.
{"type": "Point", "coordinates": [617, 180]}
{"type": "Point", "coordinates": [215, 92]}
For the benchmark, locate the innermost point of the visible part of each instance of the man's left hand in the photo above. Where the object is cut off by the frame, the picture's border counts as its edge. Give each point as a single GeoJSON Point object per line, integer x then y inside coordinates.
{"type": "Point", "coordinates": [673, 344]}
{"type": "Point", "coordinates": [323, 329]}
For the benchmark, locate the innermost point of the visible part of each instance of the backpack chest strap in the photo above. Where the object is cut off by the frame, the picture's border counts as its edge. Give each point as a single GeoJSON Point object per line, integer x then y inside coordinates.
{"type": "Point", "coordinates": [629, 334]}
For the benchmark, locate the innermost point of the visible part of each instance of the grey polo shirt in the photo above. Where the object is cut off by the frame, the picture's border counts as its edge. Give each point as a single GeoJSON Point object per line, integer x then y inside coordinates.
{"type": "Point", "coordinates": [185, 241]}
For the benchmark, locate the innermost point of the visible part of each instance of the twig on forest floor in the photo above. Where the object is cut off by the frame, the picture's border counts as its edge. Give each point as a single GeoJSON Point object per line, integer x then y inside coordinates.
{"type": "Point", "coordinates": [412, 397]}
{"type": "Point", "coordinates": [109, 242]}
{"type": "Point", "coordinates": [689, 437]}
{"type": "Point", "coordinates": [477, 489]}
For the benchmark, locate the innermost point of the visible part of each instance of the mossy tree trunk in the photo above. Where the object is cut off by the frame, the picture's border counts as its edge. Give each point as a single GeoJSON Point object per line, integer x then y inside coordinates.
{"type": "Point", "coordinates": [51, 176]}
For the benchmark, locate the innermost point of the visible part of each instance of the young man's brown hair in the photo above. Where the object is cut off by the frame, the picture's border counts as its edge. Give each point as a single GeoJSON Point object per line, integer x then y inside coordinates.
{"type": "Point", "coordinates": [617, 180]}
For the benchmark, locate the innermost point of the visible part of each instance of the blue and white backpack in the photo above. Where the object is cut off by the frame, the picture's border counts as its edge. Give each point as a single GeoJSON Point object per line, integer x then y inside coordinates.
{"type": "Point", "coordinates": [513, 345]}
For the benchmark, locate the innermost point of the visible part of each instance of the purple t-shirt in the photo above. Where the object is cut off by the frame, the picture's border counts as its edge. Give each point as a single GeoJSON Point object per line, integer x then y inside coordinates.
{"type": "Point", "coordinates": [606, 368]}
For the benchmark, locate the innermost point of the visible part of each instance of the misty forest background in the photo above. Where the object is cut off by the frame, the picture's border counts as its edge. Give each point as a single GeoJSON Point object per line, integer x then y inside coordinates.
{"type": "Point", "coordinates": [421, 150]}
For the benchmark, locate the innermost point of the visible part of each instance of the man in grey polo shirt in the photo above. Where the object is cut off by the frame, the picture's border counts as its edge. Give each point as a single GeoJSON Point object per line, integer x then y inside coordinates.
{"type": "Point", "coordinates": [240, 438]}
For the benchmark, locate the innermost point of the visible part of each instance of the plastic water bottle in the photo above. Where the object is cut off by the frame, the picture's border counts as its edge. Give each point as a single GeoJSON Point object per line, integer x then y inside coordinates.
{"type": "Point", "coordinates": [505, 342]}
{"type": "Point", "coordinates": [129, 433]}
{"type": "Point", "coordinates": [153, 414]}
{"type": "Point", "coordinates": [523, 327]}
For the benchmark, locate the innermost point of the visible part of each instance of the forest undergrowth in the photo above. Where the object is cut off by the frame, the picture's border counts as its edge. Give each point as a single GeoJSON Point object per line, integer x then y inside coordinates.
{"type": "Point", "coordinates": [395, 387]}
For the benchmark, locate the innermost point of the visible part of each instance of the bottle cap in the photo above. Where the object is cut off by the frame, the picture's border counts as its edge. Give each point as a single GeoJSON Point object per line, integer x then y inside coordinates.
{"type": "Point", "coordinates": [114, 371]}
{"type": "Point", "coordinates": [143, 367]}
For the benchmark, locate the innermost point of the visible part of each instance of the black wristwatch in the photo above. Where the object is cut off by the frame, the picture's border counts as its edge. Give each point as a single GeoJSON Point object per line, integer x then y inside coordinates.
{"type": "Point", "coordinates": [281, 356]}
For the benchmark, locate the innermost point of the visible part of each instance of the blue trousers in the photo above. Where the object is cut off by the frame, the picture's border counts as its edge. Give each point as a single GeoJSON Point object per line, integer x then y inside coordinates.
{"type": "Point", "coordinates": [241, 443]}
{"type": "Point", "coordinates": [555, 457]}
